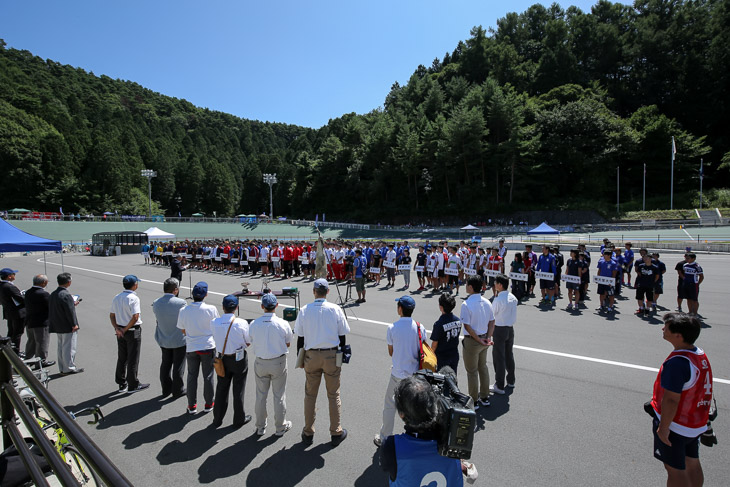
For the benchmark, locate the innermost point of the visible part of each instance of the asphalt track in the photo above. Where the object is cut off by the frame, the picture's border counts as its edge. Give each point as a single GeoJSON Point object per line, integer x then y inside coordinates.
{"type": "Point", "coordinates": [574, 418]}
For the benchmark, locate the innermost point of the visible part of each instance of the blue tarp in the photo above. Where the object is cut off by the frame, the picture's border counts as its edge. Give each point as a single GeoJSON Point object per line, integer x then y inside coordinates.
{"type": "Point", "coordinates": [13, 239]}
{"type": "Point", "coordinates": [543, 229]}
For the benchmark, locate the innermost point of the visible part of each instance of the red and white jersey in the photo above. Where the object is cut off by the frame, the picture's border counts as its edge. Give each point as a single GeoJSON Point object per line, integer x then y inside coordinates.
{"type": "Point", "coordinates": [694, 403]}
{"type": "Point", "coordinates": [276, 252]}
{"type": "Point", "coordinates": [494, 263]}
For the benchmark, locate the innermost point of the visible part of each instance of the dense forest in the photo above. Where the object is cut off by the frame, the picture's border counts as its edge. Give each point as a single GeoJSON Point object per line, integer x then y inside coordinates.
{"type": "Point", "coordinates": [536, 113]}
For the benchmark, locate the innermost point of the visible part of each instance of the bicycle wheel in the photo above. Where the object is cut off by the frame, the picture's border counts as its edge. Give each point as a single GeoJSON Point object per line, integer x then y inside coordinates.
{"type": "Point", "coordinates": [80, 468]}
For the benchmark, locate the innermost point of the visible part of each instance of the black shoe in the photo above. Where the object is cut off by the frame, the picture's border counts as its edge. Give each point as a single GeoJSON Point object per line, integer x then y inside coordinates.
{"type": "Point", "coordinates": [140, 387]}
{"type": "Point", "coordinates": [336, 440]}
{"type": "Point", "coordinates": [179, 394]}
{"type": "Point", "coordinates": [48, 363]}
{"type": "Point", "coordinates": [122, 387]}
{"type": "Point", "coordinates": [307, 440]}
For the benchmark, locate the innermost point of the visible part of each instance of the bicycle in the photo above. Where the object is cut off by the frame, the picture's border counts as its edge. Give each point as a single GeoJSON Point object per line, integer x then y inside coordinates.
{"type": "Point", "coordinates": [79, 467]}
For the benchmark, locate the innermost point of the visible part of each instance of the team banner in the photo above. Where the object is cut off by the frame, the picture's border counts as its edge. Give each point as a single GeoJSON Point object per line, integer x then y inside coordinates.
{"type": "Point", "coordinates": [375, 270]}
{"type": "Point", "coordinates": [607, 281]}
{"type": "Point", "coordinates": [419, 268]}
{"type": "Point", "coordinates": [404, 267]}
{"type": "Point", "coordinates": [549, 276]}
{"type": "Point", "coordinates": [518, 276]}
{"type": "Point", "coordinates": [389, 264]}
{"type": "Point", "coordinates": [451, 272]}
{"type": "Point", "coordinates": [470, 272]}
{"type": "Point", "coordinates": [572, 279]}
{"type": "Point", "coordinates": [491, 273]}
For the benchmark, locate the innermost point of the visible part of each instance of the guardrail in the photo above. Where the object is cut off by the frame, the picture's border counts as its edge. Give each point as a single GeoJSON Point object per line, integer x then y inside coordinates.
{"type": "Point", "coordinates": [11, 403]}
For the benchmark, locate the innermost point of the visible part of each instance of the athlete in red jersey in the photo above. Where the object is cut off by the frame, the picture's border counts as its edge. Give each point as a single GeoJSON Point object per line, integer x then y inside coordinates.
{"type": "Point", "coordinates": [681, 402]}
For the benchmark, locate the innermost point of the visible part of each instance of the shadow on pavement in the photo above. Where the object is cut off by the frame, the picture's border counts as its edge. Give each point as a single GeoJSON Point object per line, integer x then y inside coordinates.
{"type": "Point", "coordinates": [373, 475]}
{"type": "Point", "coordinates": [299, 462]}
{"type": "Point", "coordinates": [196, 446]}
{"type": "Point", "coordinates": [234, 459]}
{"type": "Point", "coordinates": [499, 406]}
{"type": "Point", "coordinates": [158, 431]}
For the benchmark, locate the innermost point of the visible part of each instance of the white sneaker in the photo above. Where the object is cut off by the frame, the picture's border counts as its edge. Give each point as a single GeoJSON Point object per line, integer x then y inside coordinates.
{"type": "Point", "coordinates": [261, 431]}
{"type": "Point", "coordinates": [377, 441]}
{"type": "Point", "coordinates": [287, 427]}
{"type": "Point", "coordinates": [496, 389]}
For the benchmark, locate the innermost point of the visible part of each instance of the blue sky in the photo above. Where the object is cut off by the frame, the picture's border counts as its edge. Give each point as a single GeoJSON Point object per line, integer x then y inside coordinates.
{"type": "Point", "coordinates": [282, 61]}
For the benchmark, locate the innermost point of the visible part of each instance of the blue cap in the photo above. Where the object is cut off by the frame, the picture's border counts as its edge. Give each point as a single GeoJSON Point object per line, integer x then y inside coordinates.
{"type": "Point", "coordinates": [7, 271]}
{"type": "Point", "coordinates": [406, 302]}
{"type": "Point", "coordinates": [321, 284]}
{"type": "Point", "coordinates": [200, 290]}
{"type": "Point", "coordinates": [130, 280]}
{"type": "Point", "coordinates": [229, 301]}
{"type": "Point", "coordinates": [269, 301]}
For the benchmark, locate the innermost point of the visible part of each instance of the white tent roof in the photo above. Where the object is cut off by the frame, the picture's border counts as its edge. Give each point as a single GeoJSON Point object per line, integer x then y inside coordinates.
{"type": "Point", "coordinates": [469, 227]}
{"type": "Point", "coordinates": [154, 232]}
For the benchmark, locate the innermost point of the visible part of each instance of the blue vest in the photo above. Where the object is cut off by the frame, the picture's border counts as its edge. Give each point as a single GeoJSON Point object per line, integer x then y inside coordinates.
{"type": "Point", "coordinates": [419, 464]}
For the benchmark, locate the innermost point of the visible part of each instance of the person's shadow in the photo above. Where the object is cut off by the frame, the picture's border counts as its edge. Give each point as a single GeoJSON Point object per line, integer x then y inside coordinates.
{"type": "Point", "coordinates": [299, 462]}
{"type": "Point", "coordinates": [158, 431]}
{"type": "Point", "coordinates": [232, 460]}
{"type": "Point", "coordinates": [373, 475]}
{"type": "Point", "coordinates": [194, 447]}
{"type": "Point", "coordinates": [499, 406]}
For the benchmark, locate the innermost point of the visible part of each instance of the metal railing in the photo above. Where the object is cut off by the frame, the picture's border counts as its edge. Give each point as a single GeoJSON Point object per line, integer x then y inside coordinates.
{"type": "Point", "coordinates": [11, 403]}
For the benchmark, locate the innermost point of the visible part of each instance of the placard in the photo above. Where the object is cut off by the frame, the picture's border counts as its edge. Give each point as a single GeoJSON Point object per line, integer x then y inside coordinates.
{"type": "Point", "coordinates": [375, 270]}
{"type": "Point", "coordinates": [218, 258]}
{"type": "Point", "coordinates": [305, 261]}
{"type": "Point", "coordinates": [224, 256]}
{"type": "Point", "coordinates": [572, 279]}
{"type": "Point", "coordinates": [470, 272]}
{"type": "Point", "coordinates": [431, 267]}
{"type": "Point", "coordinates": [275, 259]}
{"type": "Point", "coordinates": [188, 256]}
{"type": "Point", "coordinates": [491, 273]}
{"type": "Point", "coordinates": [419, 268]}
{"type": "Point", "coordinates": [404, 267]}
{"type": "Point", "coordinates": [607, 281]}
{"type": "Point", "coordinates": [548, 276]}
{"type": "Point", "coordinates": [167, 254]}
{"type": "Point", "coordinates": [389, 264]}
{"type": "Point", "coordinates": [234, 261]}
{"type": "Point", "coordinates": [263, 259]}
{"type": "Point", "coordinates": [207, 257]}
{"type": "Point", "coordinates": [451, 272]}
{"type": "Point", "coordinates": [252, 259]}
{"type": "Point", "coordinates": [301, 258]}
{"type": "Point", "coordinates": [518, 276]}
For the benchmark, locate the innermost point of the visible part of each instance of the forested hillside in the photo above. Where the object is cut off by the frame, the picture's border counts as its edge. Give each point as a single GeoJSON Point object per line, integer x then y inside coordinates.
{"type": "Point", "coordinates": [536, 114]}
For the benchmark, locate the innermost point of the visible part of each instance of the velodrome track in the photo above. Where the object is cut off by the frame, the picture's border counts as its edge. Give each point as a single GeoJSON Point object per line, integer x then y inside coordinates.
{"type": "Point", "coordinates": [574, 418]}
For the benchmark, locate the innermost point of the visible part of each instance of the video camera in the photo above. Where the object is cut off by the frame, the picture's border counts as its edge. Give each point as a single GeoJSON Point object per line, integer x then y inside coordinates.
{"type": "Point", "coordinates": [457, 418]}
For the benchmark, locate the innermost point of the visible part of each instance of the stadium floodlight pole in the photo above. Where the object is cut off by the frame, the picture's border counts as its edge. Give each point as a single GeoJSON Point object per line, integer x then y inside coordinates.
{"type": "Point", "coordinates": [149, 174]}
{"type": "Point", "coordinates": [617, 193]}
{"type": "Point", "coordinates": [702, 176]}
{"type": "Point", "coordinates": [671, 190]}
{"type": "Point", "coordinates": [643, 193]}
{"type": "Point", "coordinates": [270, 179]}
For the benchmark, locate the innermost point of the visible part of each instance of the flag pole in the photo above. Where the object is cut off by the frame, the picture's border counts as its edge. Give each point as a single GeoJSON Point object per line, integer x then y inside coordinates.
{"type": "Point", "coordinates": [617, 191]}
{"type": "Point", "coordinates": [671, 191]}
{"type": "Point", "coordinates": [643, 194]}
{"type": "Point", "coordinates": [701, 178]}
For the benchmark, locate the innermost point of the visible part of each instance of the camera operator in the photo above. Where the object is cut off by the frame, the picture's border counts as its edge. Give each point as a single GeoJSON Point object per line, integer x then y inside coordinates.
{"type": "Point", "coordinates": [412, 458]}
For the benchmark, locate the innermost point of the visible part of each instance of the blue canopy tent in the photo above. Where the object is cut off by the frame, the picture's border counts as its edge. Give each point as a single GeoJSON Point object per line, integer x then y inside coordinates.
{"type": "Point", "coordinates": [13, 239]}
{"type": "Point", "coordinates": [543, 229]}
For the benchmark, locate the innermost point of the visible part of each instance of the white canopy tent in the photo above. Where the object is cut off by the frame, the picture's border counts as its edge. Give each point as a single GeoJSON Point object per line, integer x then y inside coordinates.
{"type": "Point", "coordinates": [469, 227]}
{"type": "Point", "coordinates": [155, 233]}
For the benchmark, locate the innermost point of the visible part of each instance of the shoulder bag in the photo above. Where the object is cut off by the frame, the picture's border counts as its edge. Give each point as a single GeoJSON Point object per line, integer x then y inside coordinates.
{"type": "Point", "coordinates": [220, 369]}
{"type": "Point", "coordinates": [426, 355]}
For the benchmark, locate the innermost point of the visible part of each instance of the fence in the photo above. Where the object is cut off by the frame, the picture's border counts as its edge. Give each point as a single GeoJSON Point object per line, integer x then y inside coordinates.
{"type": "Point", "coordinates": [11, 403]}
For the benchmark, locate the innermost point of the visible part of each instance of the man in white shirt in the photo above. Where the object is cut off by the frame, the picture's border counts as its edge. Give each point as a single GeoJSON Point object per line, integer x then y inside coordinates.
{"type": "Point", "coordinates": [478, 320]}
{"type": "Point", "coordinates": [404, 348]}
{"type": "Point", "coordinates": [231, 339]}
{"type": "Point", "coordinates": [194, 321]}
{"type": "Point", "coordinates": [270, 340]}
{"type": "Point", "coordinates": [505, 316]}
{"type": "Point", "coordinates": [390, 257]}
{"type": "Point", "coordinates": [126, 321]}
{"type": "Point", "coordinates": [321, 329]}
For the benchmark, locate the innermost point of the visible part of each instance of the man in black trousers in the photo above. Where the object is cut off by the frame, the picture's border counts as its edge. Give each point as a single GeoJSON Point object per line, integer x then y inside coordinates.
{"type": "Point", "coordinates": [170, 339]}
{"type": "Point", "coordinates": [13, 307]}
{"type": "Point", "coordinates": [125, 316]}
{"type": "Point", "coordinates": [36, 320]}
{"type": "Point", "coordinates": [177, 267]}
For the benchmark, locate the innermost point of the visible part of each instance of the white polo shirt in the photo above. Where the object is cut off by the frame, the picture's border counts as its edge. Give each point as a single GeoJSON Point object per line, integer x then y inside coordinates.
{"type": "Point", "coordinates": [476, 312]}
{"type": "Point", "coordinates": [238, 338]}
{"type": "Point", "coordinates": [505, 309]}
{"type": "Point", "coordinates": [125, 305]}
{"type": "Point", "coordinates": [390, 256]}
{"type": "Point", "coordinates": [403, 337]}
{"type": "Point", "coordinates": [321, 323]}
{"type": "Point", "coordinates": [195, 319]}
{"type": "Point", "coordinates": [270, 336]}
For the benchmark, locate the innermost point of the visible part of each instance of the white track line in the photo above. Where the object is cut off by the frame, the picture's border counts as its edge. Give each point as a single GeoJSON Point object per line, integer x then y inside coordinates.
{"type": "Point", "coordinates": [383, 323]}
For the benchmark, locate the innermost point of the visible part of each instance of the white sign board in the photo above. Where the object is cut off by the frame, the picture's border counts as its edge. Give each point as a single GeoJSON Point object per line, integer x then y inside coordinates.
{"type": "Point", "coordinates": [573, 279]}
{"type": "Point", "coordinates": [518, 276]}
{"type": "Point", "coordinates": [607, 281]}
{"type": "Point", "coordinates": [549, 276]}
